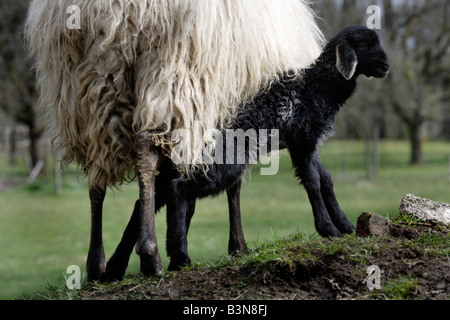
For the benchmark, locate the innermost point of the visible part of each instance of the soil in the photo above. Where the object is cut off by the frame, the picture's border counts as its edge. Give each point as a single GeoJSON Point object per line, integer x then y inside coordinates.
{"type": "Point", "coordinates": [418, 268]}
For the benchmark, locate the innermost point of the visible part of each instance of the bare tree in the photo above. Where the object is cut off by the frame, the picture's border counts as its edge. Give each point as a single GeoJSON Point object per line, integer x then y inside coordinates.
{"type": "Point", "coordinates": [416, 35]}
{"type": "Point", "coordinates": [419, 40]}
{"type": "Point", "coordinates": [18, 94]}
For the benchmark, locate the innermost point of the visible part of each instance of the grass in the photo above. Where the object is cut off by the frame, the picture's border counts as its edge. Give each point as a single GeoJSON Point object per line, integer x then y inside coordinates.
{"type": "Point", "coordinates": [402, 289]}
{"type": "Point", "coordinates": [408, 219]}
{"type": "Point", "coordinates": [41, 234]}
{"type": "Point", "coordinates": [349, 255]}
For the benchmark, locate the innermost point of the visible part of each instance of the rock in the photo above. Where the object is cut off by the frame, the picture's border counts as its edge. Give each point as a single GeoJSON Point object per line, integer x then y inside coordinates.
{"type": "Point", "coordinates": [372, 224]}
{"type": "Point", "coordinates": [425, 209]}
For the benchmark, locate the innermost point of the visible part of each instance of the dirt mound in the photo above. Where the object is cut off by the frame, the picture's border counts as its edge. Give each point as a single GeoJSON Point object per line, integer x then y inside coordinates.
{"type": "Point", "coordinates": [412, 267]}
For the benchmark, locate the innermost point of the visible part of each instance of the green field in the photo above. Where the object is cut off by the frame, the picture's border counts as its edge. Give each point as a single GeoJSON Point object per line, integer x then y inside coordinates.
{"type": "Point", "coordinates": [42, 234]}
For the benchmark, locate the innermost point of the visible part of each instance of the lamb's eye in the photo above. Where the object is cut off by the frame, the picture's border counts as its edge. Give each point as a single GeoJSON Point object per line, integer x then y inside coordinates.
{"type": "Point", "coordinates": [365, 47]}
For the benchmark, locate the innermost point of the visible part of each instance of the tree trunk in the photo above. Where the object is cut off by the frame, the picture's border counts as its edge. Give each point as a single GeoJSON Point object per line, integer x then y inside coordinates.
{"type": "Point", "coordinates": [415, 131]}
{"type": "Point", "coordinates": [446, 120]}
{"type": "Point", "coordinates": [372, 153]}
{"type": "Point", "coordinates": [13, 145]}
{"type": "Point", "coordinates": [368, 158]}
{"type": "Point", "coordinates": [376, 150]}
{"type": "Point", "coordinates": [34, 134]}
{"type": "Point", "coordinates": [57, 173]}
{"type": "Point", "coordinates": [34, 148]}
{"type": "Point", "coordinates": [28, 117]}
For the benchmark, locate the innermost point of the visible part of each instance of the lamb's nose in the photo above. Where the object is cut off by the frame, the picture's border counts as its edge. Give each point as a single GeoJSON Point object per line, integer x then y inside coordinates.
{"type": "Point", "coordinates": [385, 67]}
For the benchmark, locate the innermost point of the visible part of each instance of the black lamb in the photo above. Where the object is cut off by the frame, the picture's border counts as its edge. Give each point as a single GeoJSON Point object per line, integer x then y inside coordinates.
{"type": "Point", "coordinates": [303, 111]}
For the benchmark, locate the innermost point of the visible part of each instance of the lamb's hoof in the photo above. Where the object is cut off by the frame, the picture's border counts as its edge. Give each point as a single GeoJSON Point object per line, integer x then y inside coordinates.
{"type": "Point", "coordinates": [334, 235]}
{"type": "Point", "coordinates": [348, 229]}
{"type": "Point", "coordinates": [114, 272]}
{"type": "Point", "coordinates": [151, 265]}
{"type": "Point", "coordinates": [178, 265]}
{"type": "Point", "coordinates": [330, 232]}
{"type": "Point", "coordinates": [345, 226]}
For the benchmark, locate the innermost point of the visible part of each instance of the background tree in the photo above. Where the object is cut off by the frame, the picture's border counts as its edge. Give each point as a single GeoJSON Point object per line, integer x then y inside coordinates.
{"type": "Point", "coordinates": [416, 35]}
{"type": "Point", "coordinates": [18, 94]}
{"type": "Point", "coordinates": [419, 35]}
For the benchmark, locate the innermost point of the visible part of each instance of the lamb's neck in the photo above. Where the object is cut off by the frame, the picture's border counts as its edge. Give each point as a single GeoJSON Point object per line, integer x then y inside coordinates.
{"type": "Point", "coordinates": [324, 78]}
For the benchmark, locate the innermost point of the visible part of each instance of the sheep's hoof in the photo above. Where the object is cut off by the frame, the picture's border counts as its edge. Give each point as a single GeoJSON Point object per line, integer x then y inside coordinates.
{"type": "Point", "coordinates": [95, 267]}
{"type": "Point", "coordinates": [237, 248]}
{"type": "Point", "coordinates": [95, 276]}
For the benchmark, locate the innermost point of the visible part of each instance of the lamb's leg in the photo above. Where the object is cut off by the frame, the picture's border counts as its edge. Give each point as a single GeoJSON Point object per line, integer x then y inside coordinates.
{"type": "Point", "coordinates": [147, 246]}
{"type": "Point", "coordinates": [95, 265]}
{"type": "Point", "coordinates": [337, 215]}
{"type": "Point", "coordinates": [236, 243]}
{"type": "Point", "coordinates": [117, 265]}
{"type": "Point", "coordinates": [189, 213]}
{"type": "Point", "coordinates": [307, 171]}
{"type": "Point", "coordinates": [177, 223]}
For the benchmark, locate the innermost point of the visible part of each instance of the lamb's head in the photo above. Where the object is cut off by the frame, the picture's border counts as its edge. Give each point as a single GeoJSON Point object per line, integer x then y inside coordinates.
{"type": "Point", "coordinates": [359, 51]}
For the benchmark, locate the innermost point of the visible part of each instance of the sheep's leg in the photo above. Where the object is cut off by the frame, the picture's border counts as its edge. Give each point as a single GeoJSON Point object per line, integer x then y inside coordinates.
{"type": "Point", "coordinates": [95, 265]}
{"type": "Point", "coordinates": [307, 171]}
{"type": "Point", "coordinates": [147, 246]}
{"type": "Point", "coordinates": [236, 243]}
{"type": "Point", "coordinates": [117, 265]}
{"type": "Point", "coordinates": [178, 221]}
{"type": "Point", "coordinates": [337, 215]}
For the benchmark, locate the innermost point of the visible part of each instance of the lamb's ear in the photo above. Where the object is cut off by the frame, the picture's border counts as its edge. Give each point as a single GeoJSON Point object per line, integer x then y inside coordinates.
{"type": "Point", "coordinates": [346, 60]}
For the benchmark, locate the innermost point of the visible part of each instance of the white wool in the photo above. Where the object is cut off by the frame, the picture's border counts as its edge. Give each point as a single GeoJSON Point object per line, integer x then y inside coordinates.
{"type": "Point", "coordinates": [158, 66]}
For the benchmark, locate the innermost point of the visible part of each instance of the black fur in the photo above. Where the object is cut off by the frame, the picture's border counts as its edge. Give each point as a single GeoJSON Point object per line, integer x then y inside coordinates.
{"type": "Point", "coordinates": [303, 110]}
